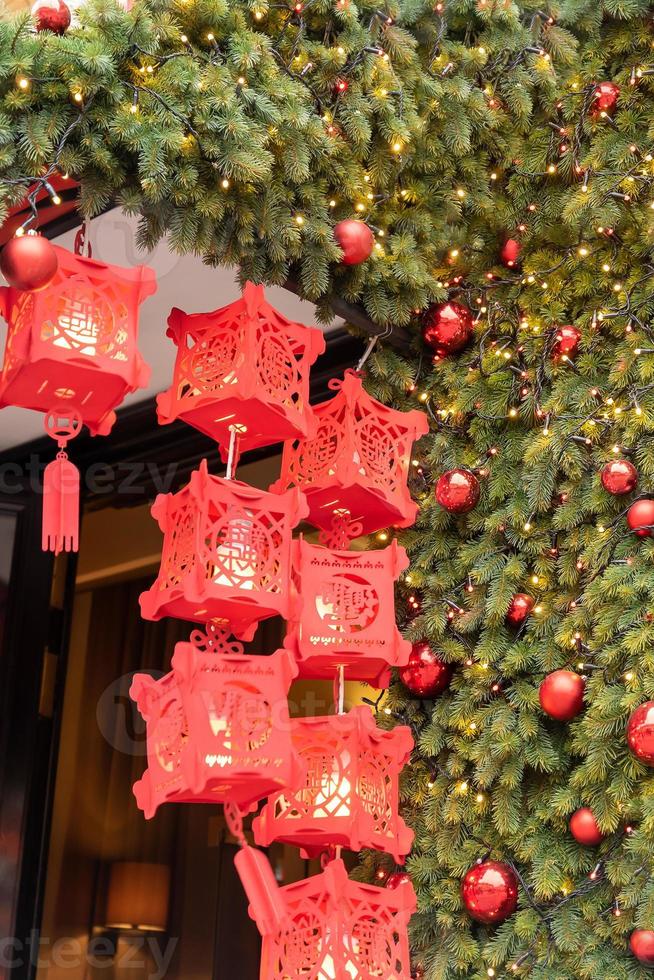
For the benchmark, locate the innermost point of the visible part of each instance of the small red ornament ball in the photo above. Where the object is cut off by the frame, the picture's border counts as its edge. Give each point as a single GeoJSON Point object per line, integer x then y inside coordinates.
{"type": "Point", "coordinates": [584, 828]}
{"type": "Point", "coordinates": [605, 98]}
{"type": "Point", "coordinates": [425, 675]}
{"type": "Point", "coordinates": [511, 252]}
{"type": "Point", "coordinates": [51, 15]}
{"type": "Point", "coordinates": [396, 879]}
{"type": "Point", "coordinates": [566, 343]}
{"type": "Point", "coordinates": [458, 491]}
{"type": "Point", "coordinates": [28, 262]}
{"type": "Point", "coordinates": [640, 733]}
{"type": "Point", "coordinates": [561, 695]}
{"type": "Point", "coordinates": [640, 515]}
{"type": "Point", "coordinates": [519, 608]}
{"type": "Point", "coordinates": [641, 943]}
{"type": "Point", "coordinates": [355, 239]}
{"type": "Point", "coordinates": [447, 328]}
{"type": "Point", "coordinates": [490, 892]}
{"type": "Point", "coordinates": [619, 476]}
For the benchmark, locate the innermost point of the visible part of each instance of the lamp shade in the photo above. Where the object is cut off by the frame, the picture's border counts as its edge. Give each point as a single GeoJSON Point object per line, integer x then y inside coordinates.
{"type": "Point", "coordinates": [138, 896]}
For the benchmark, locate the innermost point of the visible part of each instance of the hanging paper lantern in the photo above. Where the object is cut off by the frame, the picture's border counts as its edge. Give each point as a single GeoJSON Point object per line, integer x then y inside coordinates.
{"type": "Point", "coordinates": [51, 15]}
{"type": "Point", "coordinates": [584, 827]}
{"type": "Point", "coordinates": [561, 695]}
{"type": "Point", "coordinates": [425, 674]}
{"type": "Point", "coordinates": [355, 239]}
{"type": "Point", "coordinates": [619, 477]}
{"type": "Point", "coordinates": [519, 608]}
{"type": "Point", "coordinates": [640, 517]}
{"type": "Point", "coordinates": [74, 344]}
{"type": "Point", "coordinates": [358, 461]}
{"type": "Point", "coordinates": [344, 612]}
{"type": "Point", "coordinates": [244, 366]}
{"type": "Point", "coordinates": [566, 343]}
{"type": "Point", "coordinates": [447, 328]}
{"type": "Point", "coordinates": [349, 793]}
{"type": "Point", "coordinates": [640, 733]}
{"type": "Point", "coordinates": [29, 262]}
{"type": "Point", "coordinates": [335, 929]}
{"type": "Point", "coordinates": [605, 99]}
{"type": "Point", "coordinates": [458, 491]}
{"type": "Point", "coordinates": [218, 728]}
{"type": "Point", "coordinates": [641, 943]}
{"type": "Point", "coordinates": [490, 892]}
{"type": "Point", "coordinates": [226, 553]}
{"type": "Point", "coordinates": [511, 252]}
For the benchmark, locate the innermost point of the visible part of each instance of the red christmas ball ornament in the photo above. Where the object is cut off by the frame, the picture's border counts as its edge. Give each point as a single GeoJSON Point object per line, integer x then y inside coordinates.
{"type": "Point", "coordinates": [447, 328]}
{"type": "Point", "coordinates": [28, 262]}
{"type": "Point", "coordinates": [519, 608]}
{"type": "Point", "coordinates": [640, 733]}
{"type": "Point", "coordinates": [641, 943]}
{"type": "Point", "coordinates": [619, 476]}
{"type": "Point", "coordinates": [355, 239]}
{"type": "Point", "coordinates": [490, 892]}
{"type": "Point", "coordinates": [396, 879]}
{"type": "Point", "coordinates": [561, 695]}
{"type": "Point", "coordinates": [640, 516]}
{"type": "Point", "coordinates": [51, 15]}
{"type": "Point", "coordinates": [425, 675]}
{"type": "Point", "coordinates": [458, 491]}
{"type": "Point", "coordinates": [567, 343]}
{"type": "Point", "coordinates": [584, 828]}
{"type": "Point", "coordinates": [511, 252]}
{"type": "Point", "coordinates": [605, 99]}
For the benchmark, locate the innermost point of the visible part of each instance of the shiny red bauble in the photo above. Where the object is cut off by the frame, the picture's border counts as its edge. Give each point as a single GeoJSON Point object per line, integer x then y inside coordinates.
{"type": "Point", "coordinates": [561, 695]}
{"type": "Point", "coordinates": [28, 262]}
{"type": "Point", "coordinates": [641, 943]}
{"type": "Point", "coordinates": [619, 476]}
{"type": "Point", "coordinates": [458, 491]}
{"type": "Point", "coordinates": [640, 517]}
{"type": "Point", "coordinates": [584, 827]}
{"type": "Point", "coordinates": [51, 15]}
{"type": "Point", "coordinates": [355, 240]}
{"type": "Point", "coordinates": [605, 98]}
{"type": "Point", "coordinates": [566, 343]}
{"type": "Point", "coordinates": [425, 675]}
{"type": "Point", "coordinates": [519, 608]}
{"type": "Point", "coordinates": [511, 252]}
{"type": "Point", "coordinates": [447, 328]}
{"type": "Point", "coordinates": [640, 733]}
{"type": "Point", "coordinates": [490, 892]}
{"type": "Point", "coordinates": [396, 879]}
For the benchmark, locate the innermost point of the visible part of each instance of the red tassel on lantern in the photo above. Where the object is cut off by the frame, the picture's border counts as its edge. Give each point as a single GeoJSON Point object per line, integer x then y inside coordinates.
{"type": "Point", "coordinates": [349, 796]}
{"type": "Point", "coordinates": [343, 614]}
{"type": "Point", "coordinates": [339, 929]}
{"type": "Point", "coordinates": [61, 486]}
{"type": "Point", "coordinates": [267, 906]}
{"type": "Point", "coordinates": [243, 365]}
{"type": "Point", "coordinates": [357, 462]}
{"type": "Point", "coordinates": [75, 343]}
{"type": "Point", "coordinates": [226, 553]}
{"type": "Point", "coordinates": [218, 728]}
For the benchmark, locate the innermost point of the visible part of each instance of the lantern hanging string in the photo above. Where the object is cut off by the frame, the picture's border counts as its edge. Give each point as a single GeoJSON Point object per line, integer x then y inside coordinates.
{"type": "Point", "coordinates": [371, 346]}
{"type": "Point", "coordinates": [232, 453]}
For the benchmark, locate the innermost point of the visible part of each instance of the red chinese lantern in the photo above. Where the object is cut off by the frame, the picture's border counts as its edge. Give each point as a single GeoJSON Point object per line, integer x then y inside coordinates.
{"type": "Point", "coordinates": [357, 462]}
{"type": "Point", "coordinates": [344, 613]}
{"type": "Point", "coordinates": [218, 728]}
{"type": "Point", "coordinates": [349, 795]}
{"type": "Point", "coordinates": [336, 929]}
{"type": "Point", "coordinates": [226, 553]}
{"type": "Point", "coordinates": [244, 366]}
{"type": "Point", "coordinates": [74, 343]}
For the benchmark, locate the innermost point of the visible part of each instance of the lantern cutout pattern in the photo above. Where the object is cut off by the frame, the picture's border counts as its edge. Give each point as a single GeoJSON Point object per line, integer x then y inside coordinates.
{"type": "Point", "coordinates": [357, 461]}
{"type": "Point", "coordinates": [335, 929]}
{"type": "Point", "coordinates": [244, 365]}
{"type": "Point", "coordinates": [226, 553]}
{"type": "Point", "coordinates": [75, 343]}
{"type": "Point", "coordinates": [218, 728]}
{"type": "Point", "coordinates": [343, 613]}
{"type": "Point", "coordinates": [349, 794]}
